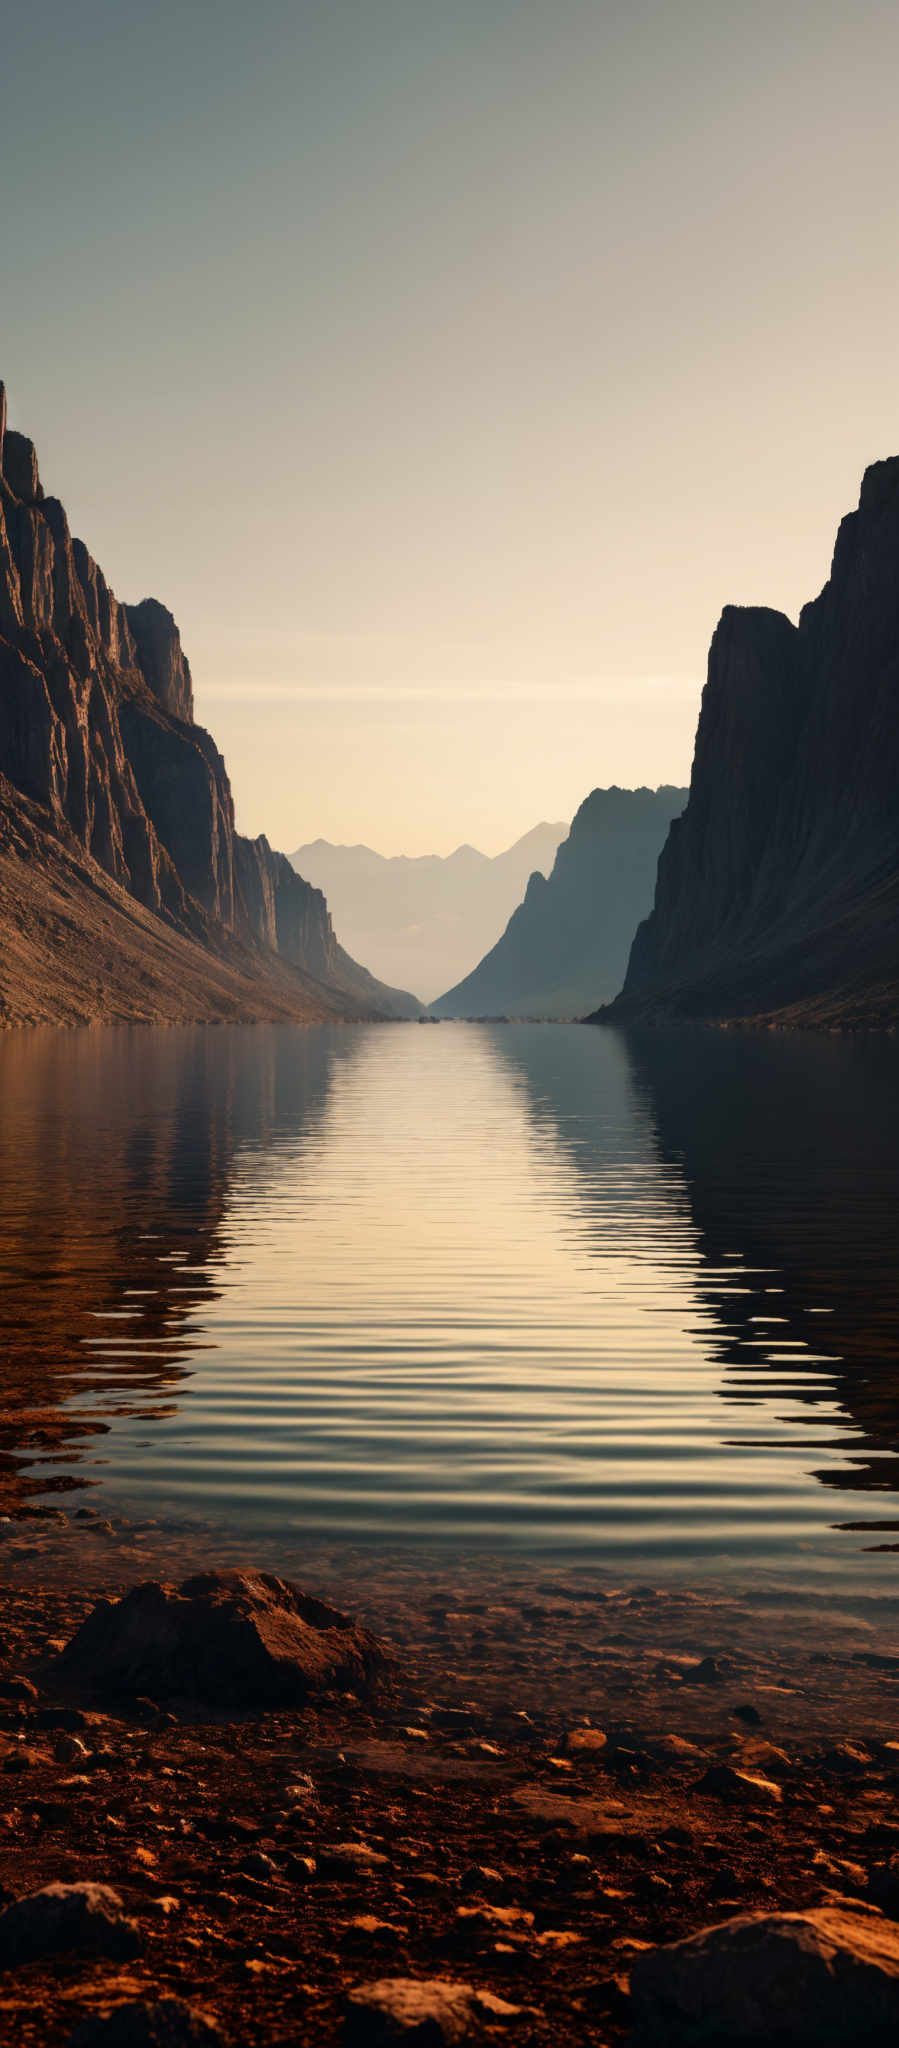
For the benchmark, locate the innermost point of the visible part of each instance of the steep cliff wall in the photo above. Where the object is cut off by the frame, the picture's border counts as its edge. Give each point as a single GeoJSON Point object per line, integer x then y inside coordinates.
{"type": "Point", "coordinates": [565, 948]}
{"type": "Point", "coordinates": [97, 732]}
{"type": "Point", "coordinates": [778, 889]}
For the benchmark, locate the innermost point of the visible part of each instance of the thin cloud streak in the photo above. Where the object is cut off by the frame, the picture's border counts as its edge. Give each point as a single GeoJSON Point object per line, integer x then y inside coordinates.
{"type": "Point", "coordinates": [635, 688]}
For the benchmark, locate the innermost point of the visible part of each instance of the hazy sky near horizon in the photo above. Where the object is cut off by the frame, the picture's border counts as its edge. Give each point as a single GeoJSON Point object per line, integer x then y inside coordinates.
{"type": "Point", "coordinates": [446, 365]}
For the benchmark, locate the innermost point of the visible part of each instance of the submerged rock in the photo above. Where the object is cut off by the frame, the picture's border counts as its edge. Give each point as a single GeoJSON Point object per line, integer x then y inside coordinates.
{"type": "Point", "coordinates": [224, 1638]}
{"type": "Point", "coordinates": [821, 1977]}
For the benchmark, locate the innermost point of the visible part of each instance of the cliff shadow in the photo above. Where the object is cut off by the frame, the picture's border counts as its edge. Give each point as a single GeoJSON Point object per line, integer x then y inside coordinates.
{"type": "Point", "coordinates": [782, 1149]}
{"type": "Point", "coordinates": [117, 1153]}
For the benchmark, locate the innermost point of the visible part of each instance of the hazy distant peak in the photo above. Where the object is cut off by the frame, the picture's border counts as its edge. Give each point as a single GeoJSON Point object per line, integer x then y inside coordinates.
{"type": "Point", "coordinates": [542, 833]}
{"type": "Point", "coordinates": [430, 915]}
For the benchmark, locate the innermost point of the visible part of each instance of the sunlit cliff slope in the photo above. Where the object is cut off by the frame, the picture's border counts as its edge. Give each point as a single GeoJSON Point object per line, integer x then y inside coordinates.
{"type": "Point", "coordinates": [125, 890]}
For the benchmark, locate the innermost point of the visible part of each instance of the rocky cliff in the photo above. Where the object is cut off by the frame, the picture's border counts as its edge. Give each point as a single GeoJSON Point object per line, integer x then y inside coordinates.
{"type": "Point", "coordinates": [778, 889]}
{"type": "Point", "coordinates": [565, 948]}
{"type": "Point", "coordinates": [125, 889]}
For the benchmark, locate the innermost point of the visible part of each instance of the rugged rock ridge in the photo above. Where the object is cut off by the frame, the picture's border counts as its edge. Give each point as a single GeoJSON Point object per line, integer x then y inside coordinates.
{"type": "Point", "coordinates": [778, 889]}
{"type": "Point", "coordinates": [96, 729]}
{"type": "Point", "coordinates": [566, 945]}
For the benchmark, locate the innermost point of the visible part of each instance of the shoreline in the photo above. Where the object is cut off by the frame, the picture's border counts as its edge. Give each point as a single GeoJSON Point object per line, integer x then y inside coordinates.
{"type": "Point", "coordinates": [468, 1821]}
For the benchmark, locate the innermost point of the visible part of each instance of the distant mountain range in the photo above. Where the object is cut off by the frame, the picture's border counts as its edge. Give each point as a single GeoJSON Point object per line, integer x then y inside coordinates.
{"type": "Point", "coordinates": [565, 948]}
{"type": "Point", "coordinates": [778, 889]}
{"type": "Point", "coordinates": [421, 922]}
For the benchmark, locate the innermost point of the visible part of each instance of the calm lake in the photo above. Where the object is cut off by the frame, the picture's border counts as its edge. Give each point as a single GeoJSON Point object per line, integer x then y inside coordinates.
{"type": "Point", "coordinates": [543, 1287]}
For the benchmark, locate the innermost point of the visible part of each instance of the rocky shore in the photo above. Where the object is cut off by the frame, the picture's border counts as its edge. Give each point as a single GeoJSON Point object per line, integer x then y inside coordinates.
{"type": "Point", "coordinates": [477, 1812]}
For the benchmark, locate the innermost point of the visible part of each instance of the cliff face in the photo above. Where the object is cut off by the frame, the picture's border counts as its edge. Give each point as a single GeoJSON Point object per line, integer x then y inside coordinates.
{"type": "Point", "coordinates": [99, 750]}
{"type": "Point", "coordinates": [565, 947]}
{"type": "Point", "coordinates": [778, 889]}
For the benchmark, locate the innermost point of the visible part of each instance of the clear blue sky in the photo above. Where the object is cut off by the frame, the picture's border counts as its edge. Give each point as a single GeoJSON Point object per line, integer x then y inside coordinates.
{"type": "Point", "coordinates": [446, 367]}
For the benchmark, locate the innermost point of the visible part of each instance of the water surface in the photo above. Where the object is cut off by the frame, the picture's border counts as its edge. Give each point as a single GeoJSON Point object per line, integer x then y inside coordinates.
{"type": "Point", "coordinates": [543, 1288]}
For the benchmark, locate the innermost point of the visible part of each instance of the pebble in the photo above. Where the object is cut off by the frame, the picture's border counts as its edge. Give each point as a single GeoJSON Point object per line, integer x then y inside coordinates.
{"type": "Point", "coordinates": [723, 1782]}
{"type": "Point", "coordinates": [68, 1749]}
{"type": "Point", "coordinates": [434, 2010]}
{"type": "Point", "coordinates": [338, 1858]}
{"type": "Point", "coordinates": [589, 1741]}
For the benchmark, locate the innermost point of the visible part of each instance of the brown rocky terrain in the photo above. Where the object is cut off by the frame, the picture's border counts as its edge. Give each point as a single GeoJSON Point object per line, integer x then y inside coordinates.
{"type": "Point", "coordinates": [77, 948]}
{"type": "Point", "coordinates": [778, 890]}
{"type": "Point", "coordinates": [125, 889]}
{"type": "Point", "coordinates": [495, 1832]}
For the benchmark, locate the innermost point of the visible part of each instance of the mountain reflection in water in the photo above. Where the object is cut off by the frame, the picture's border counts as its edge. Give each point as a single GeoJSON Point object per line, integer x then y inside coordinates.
{"type": "Point", "coordinates": [789, 1145]}
{"type": "Point", "coordinates": [548, 1286]}
{"type": "Point", "coordinates": [116, 1148]}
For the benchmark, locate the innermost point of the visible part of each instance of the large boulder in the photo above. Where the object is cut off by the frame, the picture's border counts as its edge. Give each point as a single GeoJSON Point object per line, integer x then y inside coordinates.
{"type": "Point", "coordinates": [65, 1919]}
{"type": "Point", "coordinates": [826, 1976]}
{"type": "Point", "coordinates": [230, 1639]}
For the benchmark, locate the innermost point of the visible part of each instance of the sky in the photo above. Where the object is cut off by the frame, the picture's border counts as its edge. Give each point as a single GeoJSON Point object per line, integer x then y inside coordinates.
{"type": "Point", "coordinates": [446, 365]}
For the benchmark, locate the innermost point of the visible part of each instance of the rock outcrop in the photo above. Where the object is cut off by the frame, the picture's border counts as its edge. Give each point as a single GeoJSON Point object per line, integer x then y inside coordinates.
{"type": "Point", "coordinates": [243, 1639]}
{"type": "Point", "coordinates": [103, 770]}
{"type": "Point", "coordinates": [768, 1978]}
{"type": "Point", "coordinates": [565, 948]}
{"type": "Point", "coordinates": [778, 889]}
{"type": "Point", "coordinates": [62, 1919]}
